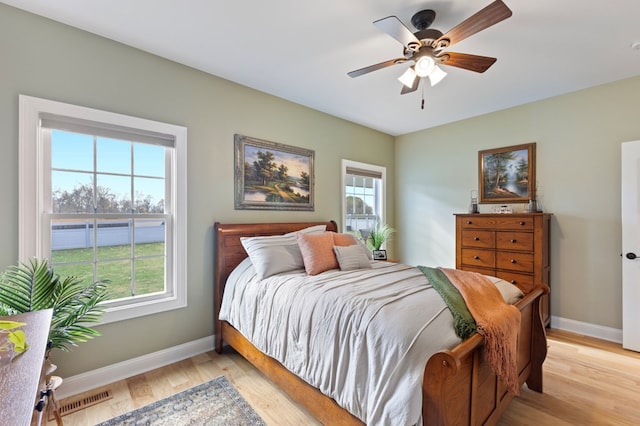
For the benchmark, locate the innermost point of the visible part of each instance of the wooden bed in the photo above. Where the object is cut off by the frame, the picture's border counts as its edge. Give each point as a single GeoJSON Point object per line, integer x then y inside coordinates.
{"type": "Point", "coordinates": [459, 387]}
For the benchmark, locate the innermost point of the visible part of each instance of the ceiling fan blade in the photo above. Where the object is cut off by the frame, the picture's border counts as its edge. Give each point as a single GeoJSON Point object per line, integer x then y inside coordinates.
{"type": "Point", "coordinates": [466, 61]}
{"type": "Point", "coordinates": [370, 68]}
{"type": "Point", "coordinates": [413, 88]}
{"type": "Point", "coordinates": [490, 15]}
{"type": "Point", "coordinates": [396, 29]}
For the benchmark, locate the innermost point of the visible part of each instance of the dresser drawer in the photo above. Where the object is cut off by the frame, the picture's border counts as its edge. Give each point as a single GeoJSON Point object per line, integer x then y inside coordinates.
{"type": "Point", "coordinates": [478, 238]}
{"type": "Point", "coordinates": [522, 281]}
{"type": "Point", "coordinates": [521, 262]}
{"type": "Point", "coordinates": [480, 258]}
{"type": "Point", "coordinates": [509, 240]}
{"type": "Point", "coordinates": [483, 271]}
{"type": "Point", "coordinates": [499, 221]}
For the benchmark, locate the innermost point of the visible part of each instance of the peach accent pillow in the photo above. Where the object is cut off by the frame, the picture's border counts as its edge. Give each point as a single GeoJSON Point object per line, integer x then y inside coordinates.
{"type": "Point", "coordinates": [317, 252]}
{"type": "Point", "coordinates": [343, 239]}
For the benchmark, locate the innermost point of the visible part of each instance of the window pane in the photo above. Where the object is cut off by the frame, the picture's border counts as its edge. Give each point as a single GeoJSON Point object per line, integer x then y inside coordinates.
{"type": "Point", "coordinates": [72, 248]}
{"type": "Point", "coordinates": [119, 275]}
{"type": "Point", "coordinates": [72, 151]}
{"type": "Point", "coordinates": [149, 275]}
{"type": "Point", "coordinates": [114, 194]}
{"type": "Point", "coordinates": [113, 156]}
{"type": "Point", "coordinates": [72, 192]}
{"type": "Point", "coordinates": [150, 237]}
{"type": "Point", "coordinates": [361, 203]}
{"type": "Point", "coordinates": [114, 239]}
{"type": "Point", "coordinates": [150, 256]}
{"type": "Point", "coordinates": [148, 160]}
{"type": "Point", "coordinates": [149, 195]}
{"type": "Point", "coordinates": [83, 271]}
{"type": "Point", "coordinates": [71, 240]}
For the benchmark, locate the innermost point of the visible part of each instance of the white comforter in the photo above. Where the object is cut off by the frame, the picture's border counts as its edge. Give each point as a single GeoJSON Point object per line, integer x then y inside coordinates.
{"type": "Point", "coordinates": [362, 337]}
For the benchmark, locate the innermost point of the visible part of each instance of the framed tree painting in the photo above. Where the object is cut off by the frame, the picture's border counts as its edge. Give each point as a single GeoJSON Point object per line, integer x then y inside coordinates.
{"type": "Point", "coordinates": [507, 175]}
{"type": "Point", "coordinates": [272, 176]}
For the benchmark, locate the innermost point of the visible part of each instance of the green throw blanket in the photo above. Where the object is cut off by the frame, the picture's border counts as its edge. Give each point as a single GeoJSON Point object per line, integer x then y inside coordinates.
{"type": "Point", "coordinates": [464, 323]}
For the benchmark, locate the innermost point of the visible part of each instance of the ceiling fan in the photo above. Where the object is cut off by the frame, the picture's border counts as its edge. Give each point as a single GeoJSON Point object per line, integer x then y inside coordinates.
{"type": "Point", "coordinates": [425, 48]}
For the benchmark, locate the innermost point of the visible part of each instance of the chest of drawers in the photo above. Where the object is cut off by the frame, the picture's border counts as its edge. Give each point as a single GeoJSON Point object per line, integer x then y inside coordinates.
{"type": "Point", "coordinates": [514, 247]}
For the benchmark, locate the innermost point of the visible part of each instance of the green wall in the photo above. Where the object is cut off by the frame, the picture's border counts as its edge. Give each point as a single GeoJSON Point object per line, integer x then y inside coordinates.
{"type": "Point", "coordinates": [430, 173]}
{"type": "Point", "coordinates": [578, 138]}
{"type": "Point", "coordinates": [43, 58]}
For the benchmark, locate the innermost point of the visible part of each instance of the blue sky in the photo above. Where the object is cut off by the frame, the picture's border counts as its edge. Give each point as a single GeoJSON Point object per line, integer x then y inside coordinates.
{"type": "Point", "coordinates": [74, 153]}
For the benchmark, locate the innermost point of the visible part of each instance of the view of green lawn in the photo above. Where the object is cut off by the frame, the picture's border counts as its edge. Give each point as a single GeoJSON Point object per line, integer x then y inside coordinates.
{"type": "Point", "coordinates": [115, 264]}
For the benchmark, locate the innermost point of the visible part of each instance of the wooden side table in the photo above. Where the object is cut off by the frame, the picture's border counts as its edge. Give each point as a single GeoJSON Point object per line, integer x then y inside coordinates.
{"type": "Point", "coordinates": [22, 380]}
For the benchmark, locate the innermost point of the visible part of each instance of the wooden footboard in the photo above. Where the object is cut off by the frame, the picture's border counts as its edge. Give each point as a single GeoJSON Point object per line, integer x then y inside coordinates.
{"type": "Point", "coordinates": [449, 374]}
{"type": "Point", "coordinates": [459, 387]}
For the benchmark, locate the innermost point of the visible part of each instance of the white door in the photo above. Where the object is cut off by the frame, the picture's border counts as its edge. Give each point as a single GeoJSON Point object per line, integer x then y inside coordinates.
{"type": "Point", "coordinates": [631, 245]}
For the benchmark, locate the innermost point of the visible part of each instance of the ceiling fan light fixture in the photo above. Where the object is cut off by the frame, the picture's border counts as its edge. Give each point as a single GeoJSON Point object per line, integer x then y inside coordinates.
{"type": "Point", "coordinates": [425, 48]}
{"type": "Point", "coordinates": [408, 77]}
{"type": "Point", "coordinates": [424, 66]}
{"type": "Point", "coordinates": [436, 75]}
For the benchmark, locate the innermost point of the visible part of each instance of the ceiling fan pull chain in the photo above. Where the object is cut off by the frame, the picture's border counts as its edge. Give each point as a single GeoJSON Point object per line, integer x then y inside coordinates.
{"type": "Point", "coordinates": [422, 106]}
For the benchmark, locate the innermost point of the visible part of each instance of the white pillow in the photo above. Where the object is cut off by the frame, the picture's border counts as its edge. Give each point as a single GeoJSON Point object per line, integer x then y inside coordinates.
{"type": "Point", "coordinates": [273, 254]}
{"type": "Point", "coordinates": [351, 257]}
{"type": "Point", "coordinates": [316, 229]}
{"type": "Point", "coordinates": [367, 252]}
{"type": "Point", "coordinates": [510, 293]}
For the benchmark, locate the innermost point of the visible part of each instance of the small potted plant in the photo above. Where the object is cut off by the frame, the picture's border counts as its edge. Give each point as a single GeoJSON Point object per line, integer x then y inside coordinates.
{"type": "Point", "coordinates": [12, 341]}
{"type": "Point", "coordinates": [378, 235]}
{"type": "Point", "coordinates": [33, 286]}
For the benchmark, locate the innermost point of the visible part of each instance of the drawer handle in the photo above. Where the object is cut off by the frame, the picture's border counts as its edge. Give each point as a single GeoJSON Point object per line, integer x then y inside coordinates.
{"type": "Point", "coordinates": [513, 241]}
{"type": "Point", "coordinates": [512, 281]}
{"type": "Point", "coordinates": [522, 222]}
{"type": "Point", "coordinates": [476, 238]}
{"type": "Point", "coordinates": [513, 261]}
{"type": "Point", "coordinates": [468, 222]}
{"type": "Point", "coordinates": [476, 257]}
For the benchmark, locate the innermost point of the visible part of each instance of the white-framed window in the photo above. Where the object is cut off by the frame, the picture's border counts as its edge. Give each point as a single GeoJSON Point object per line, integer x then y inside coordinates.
{"type": "Point", "coordinates": [363, 201]}
{"type": "Point", "coordinates": [102, 196]}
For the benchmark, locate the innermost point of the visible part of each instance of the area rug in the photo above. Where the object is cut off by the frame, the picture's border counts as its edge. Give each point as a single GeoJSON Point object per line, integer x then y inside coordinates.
{"type": "Point", "coordinates": [216, 402]}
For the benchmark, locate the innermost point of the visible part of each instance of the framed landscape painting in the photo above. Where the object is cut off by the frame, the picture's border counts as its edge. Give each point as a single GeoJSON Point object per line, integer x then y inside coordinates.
{"type": "Point", "coordinates": [272, 176]}
{"type": "Point", "coordinates": [507, 175]}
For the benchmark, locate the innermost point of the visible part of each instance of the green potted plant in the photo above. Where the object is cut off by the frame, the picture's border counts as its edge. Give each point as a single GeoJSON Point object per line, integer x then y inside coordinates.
{"type": "Point", "coordinates": [33, 286]}
{"type": "Point", "coordinates": [380, 233]}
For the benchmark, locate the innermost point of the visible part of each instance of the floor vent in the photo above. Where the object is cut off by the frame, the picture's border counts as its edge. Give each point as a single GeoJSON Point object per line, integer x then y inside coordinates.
{"type": "Point", "coordinates": [72, 406]}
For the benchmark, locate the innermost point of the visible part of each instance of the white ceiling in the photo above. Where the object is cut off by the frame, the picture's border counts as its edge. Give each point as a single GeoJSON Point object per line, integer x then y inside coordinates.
{"type": "Point", "coordinates": [302, 51]}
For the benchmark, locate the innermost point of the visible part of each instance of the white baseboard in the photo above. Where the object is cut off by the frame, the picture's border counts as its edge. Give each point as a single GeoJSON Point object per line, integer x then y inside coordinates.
{"type": "Point", "coordinates": [112, 373]}
{"type": "Point", "coordinates": [587, 329]}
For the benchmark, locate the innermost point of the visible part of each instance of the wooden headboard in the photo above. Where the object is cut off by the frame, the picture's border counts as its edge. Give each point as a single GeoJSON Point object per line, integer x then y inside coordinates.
{"type": "Point", "coordinates": [229, 252]}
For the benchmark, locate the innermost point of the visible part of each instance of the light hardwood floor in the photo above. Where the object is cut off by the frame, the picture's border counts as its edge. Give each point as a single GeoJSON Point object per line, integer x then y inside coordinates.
{"type": "Point", "coordinates": [586, 382]}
